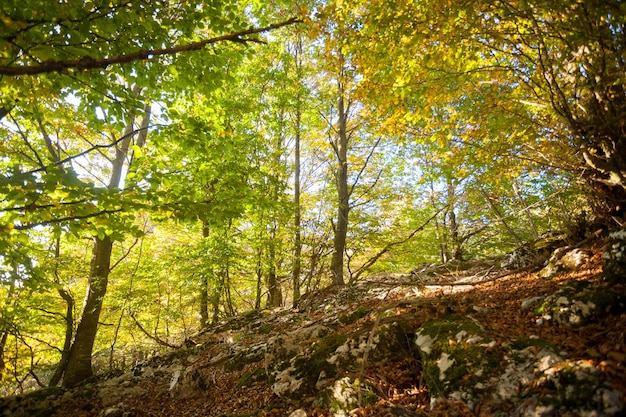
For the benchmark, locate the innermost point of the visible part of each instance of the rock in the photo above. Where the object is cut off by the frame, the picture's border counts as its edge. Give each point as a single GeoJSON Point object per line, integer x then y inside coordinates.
{"type": "Point", "coordinates": [346, 394]}
{"type": "Point", "coordinates": [530, 303]}
{"type": "Point", "coordinates": [298, 413]}
{"type": "Point", "coordinates": [535, 253]}
{"type": "Point", "coordinates": [113, 412]}
{"type": "Point", "coordinates": [37, 403]}
{"type": "Point", "coordinates": [564, 260]}
{"type": "Point", "coordinates": [526, 378]}
{"type": "Point", "coordinates": [457, 359]}
{"type": "Point", "coordinates": [569, 388]}
{"type": "Point", "coordinates": [316, 366]}
{"type": "Point", "coordinates": [615, 265]}
{"type": "Point", "coordinates": [579, 303]}
{"type": "Point", "coordinates": [285, 346]}
{"type": "Point", "coordinates": [188, 384]}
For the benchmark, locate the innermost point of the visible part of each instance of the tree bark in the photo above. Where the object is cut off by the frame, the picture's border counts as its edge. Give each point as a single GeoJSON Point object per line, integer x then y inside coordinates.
{"type": "Point", "coordinates": [204, 287]}
{"type": "Point", "coordinates": [341, 177]}
{"type": "Point", "coordinates": [297, 218]}
{"type": "Point", "coordinates": [274, 296]}
{"type": "Point", "coordinates": [79, 366]}
{"type": "Point", "coordinates": [297, 234]}
{"type": "Point", "coordinates": [67, 343]}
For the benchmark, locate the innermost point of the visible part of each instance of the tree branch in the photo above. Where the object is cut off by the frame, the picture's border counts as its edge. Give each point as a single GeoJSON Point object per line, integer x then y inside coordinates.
{"type": "Point", "coordinates": [371, 261]}
{"type": "Point", "coordinates": [88, 63]}
{"type": "Point", "coordinates": [28, 226]}
{"type": "Point", "coordinates": [153, 337]}
{"type": "Point", "coordinates": [93, 148]}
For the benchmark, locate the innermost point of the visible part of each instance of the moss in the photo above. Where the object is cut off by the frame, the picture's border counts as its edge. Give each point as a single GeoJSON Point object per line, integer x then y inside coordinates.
{"type": "Point", "coordinates": [243, 358]}
{"type": "Point", "coordinates": [451, 326]}
{"type": "Point", "coordinates": [264, 329]}
{"type": "Point", "coordinates": [316, 362]}
{"type": "Point", "coordinates": [525, 342]}
{"type": "Point", "coordinates": [250, 377]}
{"type": "Point", "coordinates": [585, 302]}
{"type": "Point", "coordinates": [352, 317]}
{"type": "Point", "coordinates": [470, 363]}
{"type": "Point", "coordinates": [44, 393]}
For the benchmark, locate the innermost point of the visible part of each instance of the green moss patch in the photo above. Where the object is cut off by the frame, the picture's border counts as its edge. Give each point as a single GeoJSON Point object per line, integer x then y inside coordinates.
{"type": "Point", "coordinates": [457, 356]}
{"type": "Point", "coordinates": [256, 375]}
{"type": "Point", "coordinates": [354, 316]}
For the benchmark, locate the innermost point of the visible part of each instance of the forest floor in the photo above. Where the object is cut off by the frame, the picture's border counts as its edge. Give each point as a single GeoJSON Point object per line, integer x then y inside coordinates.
{"type": "Point", "coordinates": [401, 388]}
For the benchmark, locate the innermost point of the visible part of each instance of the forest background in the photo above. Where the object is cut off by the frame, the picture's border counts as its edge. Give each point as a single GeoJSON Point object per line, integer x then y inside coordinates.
{"type": "Point", "coordinates": [164, 165]}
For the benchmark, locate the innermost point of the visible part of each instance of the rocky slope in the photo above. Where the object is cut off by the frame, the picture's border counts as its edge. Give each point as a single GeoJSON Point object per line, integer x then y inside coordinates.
{"type": "Point", "coordinates": [458, 339]}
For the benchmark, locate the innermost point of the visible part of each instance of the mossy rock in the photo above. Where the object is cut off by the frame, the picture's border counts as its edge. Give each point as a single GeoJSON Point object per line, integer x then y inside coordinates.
{"type": "Point", "coordinates": [524, 377]}
{"type": "Point", "coordinates": [457, 358]}
{"type": "Point", "coordinates": [346, 394]}
{"type": "Point", "coordinates": [354, 316]}
{"type": "Point", "coordinates": [314, 369]}
{"type": "Point", "coordinates": [579, 303]}
{"type": "Point", "coordinates": [614, 269]}
{"type": "Point", "coordinates": [253, 376]}
{"type": "Point", "coordinates": [569, 387]}
{"type": "Point", "coordinates": [248, 355]}
{"type": "Point", "coordinates": [306, 371]}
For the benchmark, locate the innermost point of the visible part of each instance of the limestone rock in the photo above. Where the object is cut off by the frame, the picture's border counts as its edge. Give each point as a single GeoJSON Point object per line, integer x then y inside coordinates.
{"type": "Point", "coordinates": [565, 259]}
{"type": "Point", "coordinates": [615, 255]}
{"type": "Point", "coordinates": [526, 378]}
{"type": "Point", "coordinates": [578, 303]}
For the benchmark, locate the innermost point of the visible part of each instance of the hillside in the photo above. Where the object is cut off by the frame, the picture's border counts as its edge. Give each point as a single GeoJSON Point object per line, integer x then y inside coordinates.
{"type": "Point", "coordinates": [457, 339]}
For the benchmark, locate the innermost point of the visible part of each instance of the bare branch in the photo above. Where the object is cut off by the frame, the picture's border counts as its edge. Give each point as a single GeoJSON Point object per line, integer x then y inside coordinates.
{"type": "Point", "coordinates": [151, 336]}
{"type": "Point", "coordinates": [93, 148]}
{"type": "Point", "coordinates": [371, 261]}
{"type": "Point", "coordinates": [367, 160]}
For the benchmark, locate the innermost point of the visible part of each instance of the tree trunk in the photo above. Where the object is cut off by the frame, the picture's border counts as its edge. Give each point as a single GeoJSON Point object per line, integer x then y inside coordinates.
{"type": "Point", "coordinates": [341, 177]}
{"type": "Point", "coordinates": [297, 238]}
{"type": "Point", "coordinates": [274, 296]}
{"type": "Point", "coordinates": [259, 278]}
{"type": "Point", "coordinates": [526, 210]}
{"type": "Point", "coordinates": [204, 287]}
{"type": "Point", "coordinates": [79, 366]}
{"type": "Point", "coordinates": [12, 298]}
{"type": "Point", "coordinates": [297, 218]}
{"type": "Point", "coordinates": [67, 343]}
{"type": "Point", "coordinates": [501, 219]}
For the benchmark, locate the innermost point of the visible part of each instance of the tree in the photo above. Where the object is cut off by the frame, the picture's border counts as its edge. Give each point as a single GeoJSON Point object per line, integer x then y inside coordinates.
{"type": "Point", "coordinates": [78, 367]}
{"type": "Point", "coordinates": [79, 63]}
{"type": "Point", "coordinates": [551, 70]}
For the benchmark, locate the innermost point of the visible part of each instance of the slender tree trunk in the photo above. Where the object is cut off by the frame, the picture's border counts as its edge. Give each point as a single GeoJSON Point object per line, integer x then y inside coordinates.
{"type": "Point", "coordinates": [67, 343]}
{"type": "Point", "coordinates": [79, 367]}
{"type": "Point", "coordinates": [297, 238]}
{"type": "Point", "coordinates": [204, 287]}
{"type": "Point", "coordinates": [259, 278]}
{"type": "Point", "coordinates": [501, 218]}
{"type": "Point", "coordinates": [341, 177]}
{"type": "Point", "coordinates": [297, 218]}
{"type": "Point", "coordinates": [12, 299]}
{"type": "Point", "coordinates": [215, 299]}
{"type": "Point", "coordinates": [453, 226]}
{"type": "Point", "coordinates": [274, 296]}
